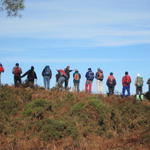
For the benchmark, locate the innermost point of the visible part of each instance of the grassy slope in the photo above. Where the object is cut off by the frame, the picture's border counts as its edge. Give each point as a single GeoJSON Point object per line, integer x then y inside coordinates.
{"type": "Point", "coordinates": [53, 120]}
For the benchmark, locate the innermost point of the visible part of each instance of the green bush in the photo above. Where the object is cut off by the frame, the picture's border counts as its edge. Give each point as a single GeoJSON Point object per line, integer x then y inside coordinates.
{"type": "Point", "coordinates": [51, 129]}
{"type": "Point", "coordinates": [76, 108]}
{"type": "Point", "coordinates": [37, 107]}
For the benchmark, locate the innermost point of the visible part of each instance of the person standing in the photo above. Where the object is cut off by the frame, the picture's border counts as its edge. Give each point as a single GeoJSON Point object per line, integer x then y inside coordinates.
{"type": "Point", "coordinates": [47, 75]}
{"type": "Point", "coordinates": [139, 87]}
{"type": "Point", "coordinates": [17, 71]}
{"type": "Point", "coordinates": [76, 80]}
{"type": "Point", "coordinates": [67, 70]}
{"type": "Point", "coordinates": [148, 83]}
{"type": "Point", "coordinates": [99, 81]}
{"type": "Point", "coordinates": [111, 83]}
{"type": "Point", "coordinates": [126, 81]}
{"type": "Point", "coordinates": [1, 71]}
{"type": "Point", "coordinates": [31, 76]}
{"type": "Point", "coordinates": [89, 80]}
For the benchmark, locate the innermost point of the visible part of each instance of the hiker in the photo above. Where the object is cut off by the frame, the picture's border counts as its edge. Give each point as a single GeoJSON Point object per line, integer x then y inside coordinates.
{"type": "Point", "coordinates": [126, 81]}
{"type": "Point", "coordinates": [31, 76]}
{"type": "Point", "coordinates": [17, 71]}
{"type": "Point", "coordinates": [67, 70]}
{"type": "Point", "coordinates": [61, 77]}
{"type": "Point", "coordinates": [99, 81]}
{"type": "Point", "coordinates": [89, 79]}
{"type": "Point", "coordinates": [139, 87]}
{"type": "Point", "coordinates": [111, 83]}
{"type": "Point", "coordinates": [47, 75]}
{"type": "Point", "coordinates": [1, 71]}
{"type": "Point", "coordinates": [148, 82]}
{"type": "Point", "coordinates": [76, 80]}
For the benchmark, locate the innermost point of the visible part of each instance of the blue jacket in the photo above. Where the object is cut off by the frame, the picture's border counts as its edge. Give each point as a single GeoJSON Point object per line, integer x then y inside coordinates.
{"type": "Point", "coordinates": [89, 75]}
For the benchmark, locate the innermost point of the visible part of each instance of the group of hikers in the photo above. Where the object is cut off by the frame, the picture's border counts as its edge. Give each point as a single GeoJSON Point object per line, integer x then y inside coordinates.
{"type": "Point", "coordinates": [63, 76]}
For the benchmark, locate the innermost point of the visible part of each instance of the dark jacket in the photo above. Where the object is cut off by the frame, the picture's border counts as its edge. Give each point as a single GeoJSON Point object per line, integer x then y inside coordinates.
{"type": "Point", "coordinates": [148, 81]}
{"type": "Point", "coordinates": [47, 72]}
{"type": "Point", "coordinates": [89, 75]}
{"type": "Point", "coordinates": [31, 75]}
{"type": "Point", "coordinates": [68, 73]}
{"type": "Point", "coordinates": [74, 80]}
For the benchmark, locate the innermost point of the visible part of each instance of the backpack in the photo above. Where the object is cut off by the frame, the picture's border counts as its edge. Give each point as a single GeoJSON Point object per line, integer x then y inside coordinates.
{"type": "Point", "coordinates": [76, 77]}
{"type": "Point", "coordinates": [47, 72]}
{"type": "Point", "coordinates": [100, 76]}
{"type": "Point", "coordinates": [1, 69]}
{"type": "Point", "coordinates": [91, 76]}
{"type": "Point", "coordinates": [17, 71]}
{"type": "Point", "coordinates": [111, 80]}
{"type": "Point", "coordinates": [127, 80]}
{"type": "Point", "coordinates": [139, 81]}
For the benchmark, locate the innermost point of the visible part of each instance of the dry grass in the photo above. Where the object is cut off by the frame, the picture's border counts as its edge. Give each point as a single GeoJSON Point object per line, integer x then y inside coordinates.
{"type": "Point", "coordinates": [35, 119]}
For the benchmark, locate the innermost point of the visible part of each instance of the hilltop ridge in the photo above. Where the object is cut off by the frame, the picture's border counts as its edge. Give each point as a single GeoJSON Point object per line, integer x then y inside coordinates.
{"type": "Point", "coordinates": [37, 119]}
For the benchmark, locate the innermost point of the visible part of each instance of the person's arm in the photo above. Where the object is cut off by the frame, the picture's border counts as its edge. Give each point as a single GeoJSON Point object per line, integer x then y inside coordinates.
{"type": "Point", "coordinates": [50, 74]}
{"type": "Point", "coordinates": [24, 74]}
{"type": "Point", "coordinates": [115, 82]}
{"type": "Point", "coordinates": [20, 71]}
{"type": "Point", "coordinates": [35, 76]}
{"type": "Point", "coordinates": [43, 72]}
{"type": "Point", "coordinates": [13, 70]}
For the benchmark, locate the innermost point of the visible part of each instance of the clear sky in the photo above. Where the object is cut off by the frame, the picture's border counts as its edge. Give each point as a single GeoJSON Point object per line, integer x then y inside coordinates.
{"type": "Point", "coordinates": [113, 35]}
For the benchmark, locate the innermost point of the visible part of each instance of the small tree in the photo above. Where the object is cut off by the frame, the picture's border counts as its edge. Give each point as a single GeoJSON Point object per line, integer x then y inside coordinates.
{"type": "Point", "coordinates": [11, 7]}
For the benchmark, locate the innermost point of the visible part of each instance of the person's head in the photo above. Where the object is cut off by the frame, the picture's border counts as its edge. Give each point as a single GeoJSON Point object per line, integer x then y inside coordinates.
{"type": "Point", "coordinates": [126, 73]}
{"type": "Point", "coordinates": [89, 69]}
{"type": "Point", "coordinates": [68, 67]}
{"type": "Point", "coordinates": [32, 67]}
{"type": "Point", "coordinates": [17, 64]}
{"type": "Point", "coordinates": [111, 73]}
{"type": "Point", "coordinates": [47, 66]}
{"type": "Point", "coordinates": [1, 65]}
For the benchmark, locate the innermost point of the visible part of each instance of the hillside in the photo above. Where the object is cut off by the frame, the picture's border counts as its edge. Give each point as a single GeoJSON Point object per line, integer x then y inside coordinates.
{"type": "Point", "coordinates": [36, 119]}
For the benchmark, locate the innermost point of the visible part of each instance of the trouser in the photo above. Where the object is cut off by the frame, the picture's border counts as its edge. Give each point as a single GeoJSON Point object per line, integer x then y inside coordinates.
{"type": "Point", "coordinates": [76, 86]}
{"type": "Point", "coordinates": [99, 85]}
{"type": "Point", "coordinates": [61, 80]}
{"type": "Point", "coordinates": [126, 88]}
{"type": "Point", "coordinates": [17, 80]}
{"type": "Point", "coordinates": [46, 82]}
{"type": "Point", "coordinates": [30, 83]}
{"type": "Point", "coordinates": [66, 83]}
{"type": "Point", "coordinates": [88, 86]}
{"type": "Point", "coordinates": [111, 90]}
{"type": "Point", "coordinates": [138, 90]}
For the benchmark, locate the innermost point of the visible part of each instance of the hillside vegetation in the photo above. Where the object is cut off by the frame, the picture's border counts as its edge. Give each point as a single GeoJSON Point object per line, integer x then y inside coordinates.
{"type": "Point", "coordinates": [36, 119]}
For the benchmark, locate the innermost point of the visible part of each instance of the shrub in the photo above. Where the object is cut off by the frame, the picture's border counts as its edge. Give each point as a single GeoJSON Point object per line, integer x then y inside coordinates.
{"type": "Point", "coordinates": [52, 129]}
{"type": "Point", "coordinates": [36, 108]}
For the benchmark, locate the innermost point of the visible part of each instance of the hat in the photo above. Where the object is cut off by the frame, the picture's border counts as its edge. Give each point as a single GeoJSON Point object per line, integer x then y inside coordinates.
{"type": "Point", "coordinates": [138, 75]}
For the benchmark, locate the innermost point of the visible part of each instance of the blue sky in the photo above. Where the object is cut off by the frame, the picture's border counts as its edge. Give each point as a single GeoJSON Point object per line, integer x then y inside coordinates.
{"type": "Point", "coordinates": [111, 34]}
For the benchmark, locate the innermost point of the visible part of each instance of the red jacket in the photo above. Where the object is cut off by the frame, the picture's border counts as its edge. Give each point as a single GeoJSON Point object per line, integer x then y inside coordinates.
{"type": "Point", "coordinates": [126, 80]}
{"type": "Point", "coordinates": [1, 69]}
